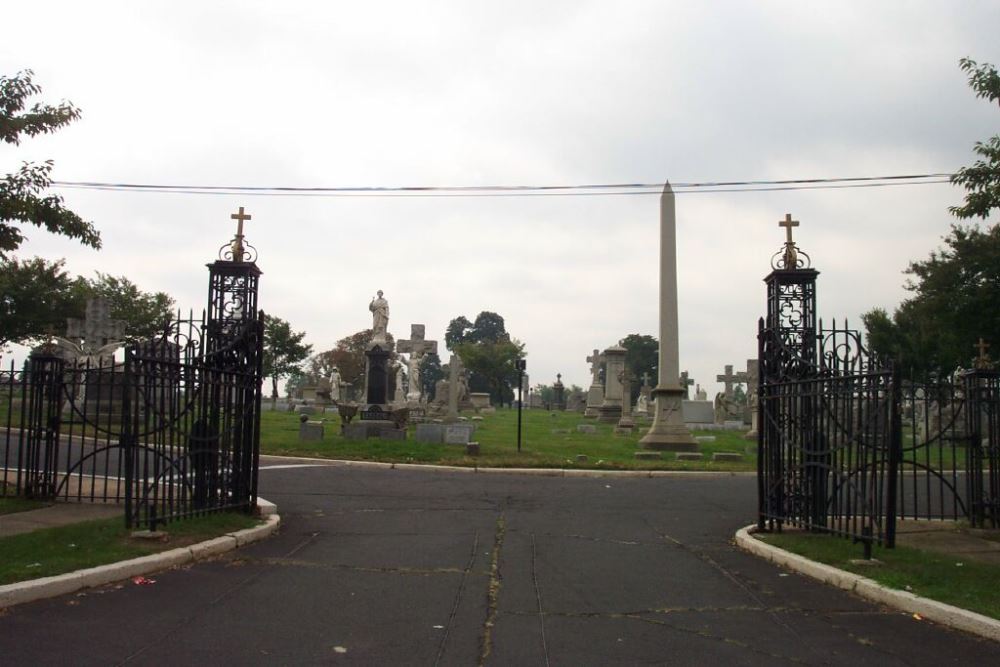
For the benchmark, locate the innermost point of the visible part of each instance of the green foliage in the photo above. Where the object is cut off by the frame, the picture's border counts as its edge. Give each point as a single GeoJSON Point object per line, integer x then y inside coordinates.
{"type": "Point", "coordinates": [956, 301]}
{"type": "Point", "coordinates": [493, 362]}
{"type": "Point", "coordinates": [982, 180]}
{"type": "Point", "coordinates": [284, 350]}
{"type": "Point", "coordinates": [430, 373]}
{"type": "Point", "coordinates": [957, 581]}
{"type": "Point", "coordinates": [145, 313]}
{"type": "Point", "coordinates": [21, 198]}
{"type": "Point", "coordinates": [457, 332]}
{"type": "Point", "coordinates": [52, 551]}
{"type": "Point", "coordinates": [35, 295]}
{"type": "Point", "coordinates": [349, 358]}
{"type": "Point", "coordinates": [642, 356]}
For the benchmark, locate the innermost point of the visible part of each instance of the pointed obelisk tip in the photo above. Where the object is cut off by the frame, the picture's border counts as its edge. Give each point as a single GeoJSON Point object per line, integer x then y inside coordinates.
{"type": "Point", "coordinates": [667, 190]}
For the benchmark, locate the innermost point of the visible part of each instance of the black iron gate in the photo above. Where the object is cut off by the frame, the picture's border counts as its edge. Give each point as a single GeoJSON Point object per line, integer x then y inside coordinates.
{"type": "Point", "coordinates": [171, 431]}
{"type": "Point", "coordinates": [845, 446]}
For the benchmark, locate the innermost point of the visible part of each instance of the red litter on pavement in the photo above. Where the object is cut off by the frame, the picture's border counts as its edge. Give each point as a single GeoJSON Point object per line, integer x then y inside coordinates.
{"type": "Point", "coordinates": [142, 581]}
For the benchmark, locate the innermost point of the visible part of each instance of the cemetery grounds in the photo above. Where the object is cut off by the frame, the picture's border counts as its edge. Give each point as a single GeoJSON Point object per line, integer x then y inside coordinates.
{"type": "Point", "coordinates": [548, 440]}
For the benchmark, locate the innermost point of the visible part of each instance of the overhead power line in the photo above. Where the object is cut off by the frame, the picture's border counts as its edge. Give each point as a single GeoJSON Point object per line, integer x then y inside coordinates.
{"type": "Point", "coordinates": [597, 189]}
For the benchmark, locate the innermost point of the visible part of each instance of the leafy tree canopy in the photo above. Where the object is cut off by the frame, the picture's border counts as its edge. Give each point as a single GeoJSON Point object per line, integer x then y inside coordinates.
{"type": "Point", "coordinates": [21, 193]}
{"type": "Point", "coordinates": [37, 296]}
{"type": "Point", "coordinates": [956, 291]}
{"type": "Point", "coordinates": [642, 356]}
{"type": "Point", "coordinates": [493, 364]}
{"type": "Point", "coordinates": [982, 180]}
{"type": "Point", "coordinates": [284, 350]}
{"type": "Point", "coordinates": [430, 373]}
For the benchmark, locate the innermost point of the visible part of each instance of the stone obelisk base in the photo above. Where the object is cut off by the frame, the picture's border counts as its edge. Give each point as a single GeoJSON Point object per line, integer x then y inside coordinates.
{"type": "Point", "coordinates": [609, 414]}
{"type": "Point", "coordinates": [668, 432]}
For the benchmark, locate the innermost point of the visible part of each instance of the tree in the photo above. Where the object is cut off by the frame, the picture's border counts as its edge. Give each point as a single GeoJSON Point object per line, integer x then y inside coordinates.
{"type": "Point", "coordinates": [21, 199]}
{"type": "Point", "coordinates": [35, 296]}
{"type": "Point", "coordinates": [457, 332]}
{"type": "Point", "coordinates": [956, 291]}
{"type": "Point", "coordinates": [349, 358]}
{"type": "Point", "coordinates": [284, 350]}
{"type": "Point", "coordinates": [956, 301]}
{"type": "Point", "coordinates": [430, 373]}
{"type": "Point", "coordinates": [493, 364]}
{"type": "Point", "coordinates": [488, 352]}
{"type": "Point", "coordinates": [642, 355]}
{"type": "Point", "coordinates": [145, 313]}
{"type": "Point", "coordinates": [982, 180]}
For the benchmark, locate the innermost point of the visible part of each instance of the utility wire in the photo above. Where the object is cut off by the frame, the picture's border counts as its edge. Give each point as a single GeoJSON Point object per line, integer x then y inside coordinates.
{"type": "Point", "coordinates": [600, 189]}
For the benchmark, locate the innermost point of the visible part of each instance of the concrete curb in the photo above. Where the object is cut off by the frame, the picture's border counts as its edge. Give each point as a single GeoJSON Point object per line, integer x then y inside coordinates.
{"type": "Point", "coordinates": [60, 584]}
{"type": "Point", "coordinates": [544, 472]}
{"type": "Point", "coordinates": [931, 610]}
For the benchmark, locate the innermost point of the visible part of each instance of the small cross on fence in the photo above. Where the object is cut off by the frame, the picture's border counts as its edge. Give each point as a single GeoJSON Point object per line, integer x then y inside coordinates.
{"type": "Point", "coordinates": [791, 255]}
{"type": "Point", "coordinates": [238, 241]}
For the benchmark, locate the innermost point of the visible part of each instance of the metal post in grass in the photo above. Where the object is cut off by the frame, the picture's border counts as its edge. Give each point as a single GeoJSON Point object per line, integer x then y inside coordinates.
{"type": "Point", "coordinates": [521, 366]}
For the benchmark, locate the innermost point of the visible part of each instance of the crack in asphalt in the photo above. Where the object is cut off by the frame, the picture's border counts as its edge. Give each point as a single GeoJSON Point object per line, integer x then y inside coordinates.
{"type": "Point", "coordinates": [492, 592]}
{"type": "Point", "coordinates": [458, 599]}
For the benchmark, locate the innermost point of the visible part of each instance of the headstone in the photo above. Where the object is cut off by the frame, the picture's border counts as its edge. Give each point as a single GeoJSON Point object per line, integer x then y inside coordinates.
{"type": "Point", "coordinates": [686, 382]}
{"type": "Point", "coordinates": [457, 434]}
{"type": "Point", "coordinates": [611, 409]}
{"type": "Point", "coordinates": [479, 399]}
{"type": "Point", "coordinates": [595, 395]}
{"type": "Point", "coordinates": [698, 412]}
{"type": "Point", "coordinates": [310, 430]}
{"type": "Point", "coordinates": [586, 428]}
{"type": "Point", "coordinates": [399, 397]}
{"type": "Point", "coordinates": [454, 387]}
{"type": "Point", "coordinates": [753, 378]}
{"type": "Point", "coordinates": [626, 421]}
{"type": "Point", "coordinates": [432, 433]}
{"type": "Point", "coordinates": [649, 456]}
{"type": "Point", "coordinates": [377, 374]}
{"type": "Point", "coordinates": [727, 456]}
{"type": "Point", "coordinates": [96, 336]}
{"type": "Point", "coordinates": [689, 456]}
{"type": "Point", "coordinates": [355, 431]}
{"type": "Point", "coordinates": [699, 393]}
{"type": "Point", "coordinates": [726, 407]}
{"type": "Point", "coordinates": [417, 347]}
{"type": "Point", "coordinates": [559, 393]}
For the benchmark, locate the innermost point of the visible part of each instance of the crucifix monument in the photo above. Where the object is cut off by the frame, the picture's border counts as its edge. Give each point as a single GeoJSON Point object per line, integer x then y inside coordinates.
{"type": "Point", "coordinates": [417, 347]}
{"type": "Point", "coordinates": [668, 431]}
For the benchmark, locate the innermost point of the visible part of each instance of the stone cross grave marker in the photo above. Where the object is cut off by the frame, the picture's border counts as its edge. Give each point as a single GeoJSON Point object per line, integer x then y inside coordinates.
{"type": "Point", "coordinates": [595, 366]}
{"type": "Point", "coordinates": [96, 335]}
{"type": "Point", "coordinates": [729, 379]}
{"type": "Point", "coordinates": [686, 381]}
{"type": "Point", "coordinates": [983, 360]}
{"type": "Point", "coordinates": [417, 347]}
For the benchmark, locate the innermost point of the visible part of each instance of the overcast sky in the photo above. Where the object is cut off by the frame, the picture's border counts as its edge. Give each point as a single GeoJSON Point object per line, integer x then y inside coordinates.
{"type": "Point", "coordinates": [331, 94]}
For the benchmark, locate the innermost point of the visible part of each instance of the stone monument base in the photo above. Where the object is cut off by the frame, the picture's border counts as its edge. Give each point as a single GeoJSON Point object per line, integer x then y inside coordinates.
{"type": "Point", "coordinates": [668, 432]}
{"type": "Point", "coordinates": [609, 414]}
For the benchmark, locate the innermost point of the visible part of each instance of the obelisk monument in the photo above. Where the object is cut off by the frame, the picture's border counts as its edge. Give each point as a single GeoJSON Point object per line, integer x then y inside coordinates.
{"type": "Point", "coordinates": [668, 431]}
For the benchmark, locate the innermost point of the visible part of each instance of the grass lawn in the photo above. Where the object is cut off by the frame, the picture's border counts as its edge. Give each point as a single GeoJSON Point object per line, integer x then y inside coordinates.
{"type": "Point", "coordinates": [949, 579]}
{"type": "Point", "coordinates": [11, 504]}
{"type": "Point", "coordinates": [50, 551]}
{"type": "Point", "coordinates": [548, 440]}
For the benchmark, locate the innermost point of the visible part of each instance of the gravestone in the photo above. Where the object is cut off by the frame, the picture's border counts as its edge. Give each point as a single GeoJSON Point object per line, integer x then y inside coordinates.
{"type": "Point", "coordinates": [432, 433]}
{"type": "Point", "coordinates": [626, 423]}
{"type": "Point", "coordinates": [458, 434]}
{"type": "Point", "coordinates": [611, 408]}
{"type": "Point", "coordinates": [310, 430]}
{"type": "Point", "coordinates": [417, 347]}
{"type": "Point", "coordinates": [699, 393]}
{"type": "Point", "coordinates": [479, 399]}
{"type": "Point", "coordinates": [753, 378]}
{"type": "Point", "coordinates": [586, 428]}
{"type": "Point", "coordinates": [377, 374]}
{"type": "Point", "coordinates": [698, 412]}
{"type": "Point", "coordinates": [686, 381]}
{"type": "Point", "coordinates": [726, 406]}
{"type": "Point", "coordinates": [559, 393]}
{"type": "Point", "coordinates": [595, 395]}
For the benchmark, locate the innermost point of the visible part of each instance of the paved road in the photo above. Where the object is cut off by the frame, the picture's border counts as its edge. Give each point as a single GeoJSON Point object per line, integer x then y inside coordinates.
{"type": "Point", "coordinates": [401, 567]}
